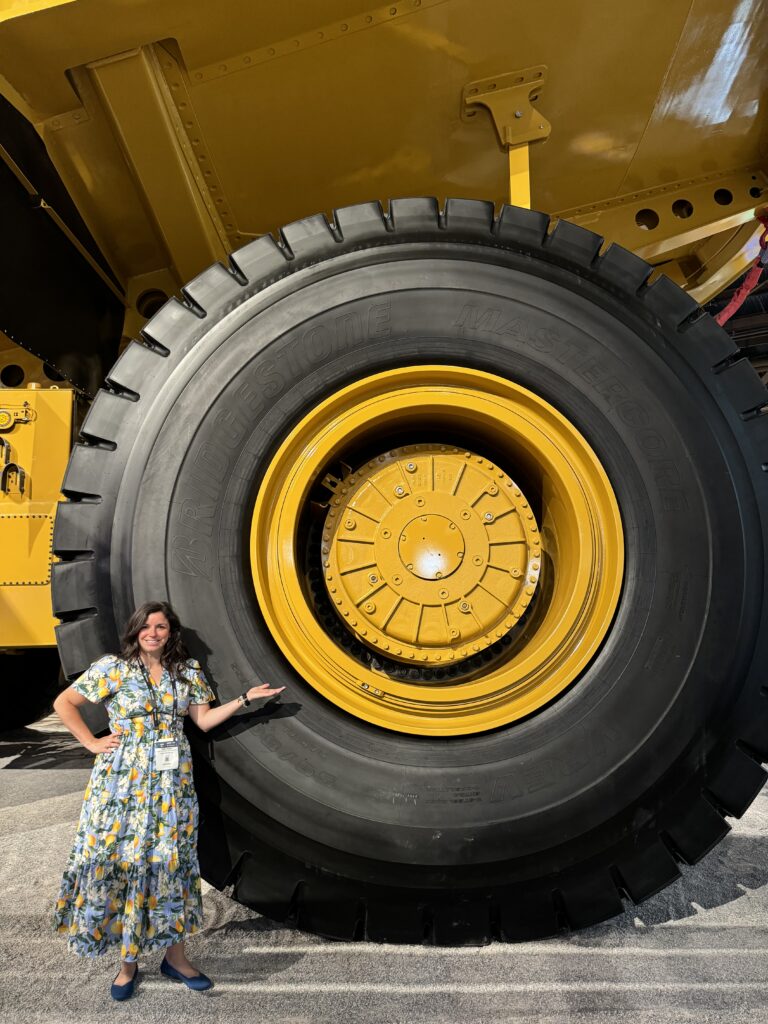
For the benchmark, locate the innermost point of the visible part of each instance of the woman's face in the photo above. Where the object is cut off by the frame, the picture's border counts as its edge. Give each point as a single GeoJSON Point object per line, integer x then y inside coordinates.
{"type": "Point", "coordinates": [153, 635]}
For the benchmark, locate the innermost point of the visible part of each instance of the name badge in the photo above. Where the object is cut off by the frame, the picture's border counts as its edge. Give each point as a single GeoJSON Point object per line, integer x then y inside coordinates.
{"type": "Point", "coordinates": [166, 755]}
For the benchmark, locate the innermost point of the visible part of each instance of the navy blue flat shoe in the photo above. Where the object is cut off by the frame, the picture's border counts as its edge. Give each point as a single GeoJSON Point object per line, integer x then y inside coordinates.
{"type": "Point", "coordinates": [121, 992]}
{"type": "Point", "coordinates": [200, 982]}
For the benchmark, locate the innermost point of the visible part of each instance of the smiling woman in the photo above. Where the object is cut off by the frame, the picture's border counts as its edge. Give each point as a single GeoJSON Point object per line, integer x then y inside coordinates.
{"type": "Point", "coordinates": [133, 877]}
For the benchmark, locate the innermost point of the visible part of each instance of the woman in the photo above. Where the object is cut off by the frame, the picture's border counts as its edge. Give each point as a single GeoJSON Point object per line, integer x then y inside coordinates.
{"type": "Point", "coordinates": [133, 876]}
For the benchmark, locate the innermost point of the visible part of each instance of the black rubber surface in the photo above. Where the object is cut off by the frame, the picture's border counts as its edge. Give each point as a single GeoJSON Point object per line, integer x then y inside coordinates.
{"type": "Point", "coordinates": [547, 824]}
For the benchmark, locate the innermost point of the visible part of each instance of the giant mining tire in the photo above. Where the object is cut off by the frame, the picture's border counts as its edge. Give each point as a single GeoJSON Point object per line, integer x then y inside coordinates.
{"type": "Point", "coordinates": [399, 811]}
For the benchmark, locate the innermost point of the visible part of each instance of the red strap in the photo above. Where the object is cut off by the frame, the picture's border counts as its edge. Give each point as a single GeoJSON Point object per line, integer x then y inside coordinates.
{"type": "Point", "coordinates": [750, 281]}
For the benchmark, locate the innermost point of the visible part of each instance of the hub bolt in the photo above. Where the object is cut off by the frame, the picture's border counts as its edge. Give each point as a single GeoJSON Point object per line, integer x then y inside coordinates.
{"type": "Point", "coordinates": [411, 467]}
{"type": "Point", "coordinates": [399, 490]}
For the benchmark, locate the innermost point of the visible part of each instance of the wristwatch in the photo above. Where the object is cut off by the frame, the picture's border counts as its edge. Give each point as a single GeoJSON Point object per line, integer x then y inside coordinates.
{"type": "Point", "coordinates": [243, 698]}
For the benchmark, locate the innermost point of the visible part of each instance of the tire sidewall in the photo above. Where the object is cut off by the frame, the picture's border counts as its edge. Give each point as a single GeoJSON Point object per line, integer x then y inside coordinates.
{"type": "Point", "coordinates": [638, 711]}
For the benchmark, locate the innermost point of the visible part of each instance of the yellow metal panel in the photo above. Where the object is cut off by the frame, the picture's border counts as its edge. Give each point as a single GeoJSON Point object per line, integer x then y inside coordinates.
{"type": "Point", "coordinates": [36, 434]}
{"type": "Point", "coordinates": [134, 93]}
{"type": "Point", "coordinates": [303, 107]}
{"type": "Point", "coordinates": [25, 617]}
{"type": "Point", "coordinates": [656, 222]}
{"type": "Point", "coordinates": [25, 541]}
{"type": "Point", "coordinates": [16, 8]}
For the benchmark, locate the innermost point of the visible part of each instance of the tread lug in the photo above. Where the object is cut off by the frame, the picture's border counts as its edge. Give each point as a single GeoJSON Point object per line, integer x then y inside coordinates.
{"type": "Point", "coordinates": [699, 829]}
{"type": "Point", "coordinates": [573, 242]}
{"type": "Point", "coordinates": [517, 226]}
{"type": "Point", "coordinates": [81, 642]}
{"type": "Point", "coordinates": [214, 288]}
{"type": "Point", "coordinates": [135, 365]}
{"type": "Point", "coordinates": [468, 216]}
{"type": "Point", "coordinates": [590, 900]}
{"type": "Point", "coordinates": [74, 587]}
{"type": "Point", "coordinates": [647, 871]}
{"type": "Point", "coordinates": [260, 260]}
{"type": "Point", "coordinates": [77, 527]}
{"type": "Point", "coordinates": [463, 923]}
{"type": "Point", "coordinates": [744, 389]}
{"type": "Point", "coordinates": [263, 881]}
{"type": "Point", "coordinates": [326, 907]}
{"type": "Point", "coordinates": [737, 782]}
{"type": "Point", "coordinates": [392, 921]}
{"type": "Point", "coordinates": [309, 238]}
{"type": "Point", "coordinates": [621, 268]}
{"type": "Point", "coordinates": [104, 420]}
{"type": "Point", "coordinates": [528, 914]}
{"type": "Point", "coordinates": [415, 215]}
{"type": "Point", "coordinates": [362, 223]}
{"type": "Point", "coordinates": [88, 472]}
{"type": "Point", "coordinates": [704, 343]}
{"type": "Point", "coordinates": [170, 324]}
{"type": "Point", "coordinates": [668, 301]}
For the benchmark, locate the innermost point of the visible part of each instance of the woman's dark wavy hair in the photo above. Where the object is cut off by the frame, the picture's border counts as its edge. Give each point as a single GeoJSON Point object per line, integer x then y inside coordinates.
{"type": "Point", "coordinates": [175, 654]}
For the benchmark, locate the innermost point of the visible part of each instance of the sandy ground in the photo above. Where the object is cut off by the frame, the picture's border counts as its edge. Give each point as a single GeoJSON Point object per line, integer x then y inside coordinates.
{"type": "Point", "coordinates": [697, 951]}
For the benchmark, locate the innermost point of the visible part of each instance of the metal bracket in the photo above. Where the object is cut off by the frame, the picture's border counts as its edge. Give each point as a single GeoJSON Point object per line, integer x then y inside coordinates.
{"type": "Point", "coordinates": [10, 469]}
{"type": "Point", "coordinates": [7, 473]}
{"type": "Point", "coordinates": [509, 98]}
{"type": "Point", "coordinates": [10, 416]}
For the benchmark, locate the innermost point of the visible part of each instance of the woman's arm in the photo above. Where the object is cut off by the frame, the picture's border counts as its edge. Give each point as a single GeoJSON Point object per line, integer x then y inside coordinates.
{"type": "Point", "coordinates": [206, 718]}
{"type": "Point", "coordinates": [66, 707]}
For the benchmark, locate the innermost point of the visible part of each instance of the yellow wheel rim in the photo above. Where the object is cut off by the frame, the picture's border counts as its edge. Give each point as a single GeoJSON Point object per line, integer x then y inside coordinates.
{"type": "Point", "coordinates": [485, 557]}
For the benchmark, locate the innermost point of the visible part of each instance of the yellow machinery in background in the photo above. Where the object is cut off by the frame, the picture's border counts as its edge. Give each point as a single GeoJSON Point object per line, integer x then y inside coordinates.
{"type": "Point", "coordinates": [35, 441]}
{"type": "Point", "coordinates": [474, 476]}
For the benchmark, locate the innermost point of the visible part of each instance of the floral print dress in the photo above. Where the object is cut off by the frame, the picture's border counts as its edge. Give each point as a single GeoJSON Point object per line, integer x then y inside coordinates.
{"type": "Point", "coordinates": [132, 878]}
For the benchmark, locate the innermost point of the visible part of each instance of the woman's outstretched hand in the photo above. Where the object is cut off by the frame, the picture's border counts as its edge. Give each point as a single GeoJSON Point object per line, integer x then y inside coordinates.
{"type": "Point", "coordinates": [264, 690]}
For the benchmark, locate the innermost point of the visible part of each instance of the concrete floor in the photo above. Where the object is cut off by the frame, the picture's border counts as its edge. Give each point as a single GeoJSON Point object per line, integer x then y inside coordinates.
{"type": "Point", "coordinates": [696, 951]}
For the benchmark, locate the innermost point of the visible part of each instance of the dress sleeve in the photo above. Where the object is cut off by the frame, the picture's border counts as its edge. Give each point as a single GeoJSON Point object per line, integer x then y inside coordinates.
{"type": "Point", "coordinates": [101, 680]}
{"type": "Point", "coordinates": [199, 690]}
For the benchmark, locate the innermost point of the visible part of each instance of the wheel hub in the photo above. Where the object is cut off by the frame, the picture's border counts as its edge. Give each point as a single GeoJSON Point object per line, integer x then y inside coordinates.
{"type": "Point", "coordinates": [437, 632]}
{"type": "Point", "coordinates": [430, 553]}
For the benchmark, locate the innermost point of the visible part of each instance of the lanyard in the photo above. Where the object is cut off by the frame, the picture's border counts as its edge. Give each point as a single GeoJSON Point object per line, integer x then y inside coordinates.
{"type": "Point", "coordinates": [156, 711]}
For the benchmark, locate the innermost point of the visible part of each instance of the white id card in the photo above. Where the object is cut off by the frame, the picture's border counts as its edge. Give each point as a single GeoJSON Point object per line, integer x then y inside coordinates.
{"type": "Point", "coordinates": [166, 755]}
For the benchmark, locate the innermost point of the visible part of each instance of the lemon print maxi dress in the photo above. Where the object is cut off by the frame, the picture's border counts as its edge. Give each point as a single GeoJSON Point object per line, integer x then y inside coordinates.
{"type": "Point", "coordinates": [132, 879]}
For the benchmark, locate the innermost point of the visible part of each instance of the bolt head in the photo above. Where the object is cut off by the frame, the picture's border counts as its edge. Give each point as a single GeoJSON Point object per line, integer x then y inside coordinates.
{"type": "Point", "coordinates": [411, 467]}
{"type": "Point", "coordinates": [399, 490]}
{"type": "Point", "coordinates": [488, 517]}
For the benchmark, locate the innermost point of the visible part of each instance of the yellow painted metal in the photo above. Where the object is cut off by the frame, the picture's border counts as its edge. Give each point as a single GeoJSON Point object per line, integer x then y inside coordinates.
{"type": "Point", "coordinates": [582, 554]}
{"type": "Point", "coordinates": [18, 8]}
{"type": "Point", "coordinates": [636, 102]}
{"type": "Point", "coordinates": [35, 438]}
{"type": "Point", "coordinates": [655, 222]}
{"type": "Point", "coordinates": [721, 259]}
{"type": "Point", "coordinates": [509, 99]}
{"type": "Point", "coordinates": [430, 551]}
{"type": "Point", "coordinates": [134, 93]}
{"type": "Point", "coordinates": [519, 176]}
